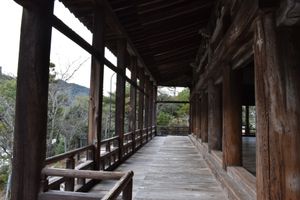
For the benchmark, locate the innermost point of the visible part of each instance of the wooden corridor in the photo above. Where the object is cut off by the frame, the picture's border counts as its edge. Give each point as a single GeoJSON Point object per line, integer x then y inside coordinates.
{"type": "Point", "coordinates": [169, 168]}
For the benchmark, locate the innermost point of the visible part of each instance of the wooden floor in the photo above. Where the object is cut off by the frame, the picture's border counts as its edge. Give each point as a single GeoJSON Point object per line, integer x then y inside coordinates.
{"type": "Point", "coordinates": [169, 168]}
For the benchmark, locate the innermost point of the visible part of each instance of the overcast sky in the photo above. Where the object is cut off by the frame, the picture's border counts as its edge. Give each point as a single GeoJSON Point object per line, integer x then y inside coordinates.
{"type": "Point", "coordinates": [64, 52]}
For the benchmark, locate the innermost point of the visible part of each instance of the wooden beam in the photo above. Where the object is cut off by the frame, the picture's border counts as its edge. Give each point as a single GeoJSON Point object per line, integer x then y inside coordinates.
{"type": "Point", "coordinates": [232, 120]}
{"type": "Point", "coordinates": [204, 117]}
{"type": "Point", "coordinates": [31, 104]}
{"type": "Point", "coordinates": [133, 98]}
{"type": "Point", "coordinates": [147, 98]}
{"type": "Point", "coordinates": [277, 61]}
{"type": "Point", "coordinates": [237, 34]}
{"type": "Point", "coordinates": [214, 116]}
{"type": "Point", "coordinates": [120, 95]}
{"type": "Point", "coordinates": [96, 85]}
{"type": "Point", "coordinates": [141, 100]}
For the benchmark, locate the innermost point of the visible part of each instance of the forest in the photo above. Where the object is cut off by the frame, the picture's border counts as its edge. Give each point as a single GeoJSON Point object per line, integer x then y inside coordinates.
{"type": "Point", "coordinates": [68, 116]}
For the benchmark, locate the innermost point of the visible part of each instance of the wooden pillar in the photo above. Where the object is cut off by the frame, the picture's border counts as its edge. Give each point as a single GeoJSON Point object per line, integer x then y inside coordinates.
{"type": "Point", "coordinates": [277, 71]}
{"type": "Point", "coordinates": [120, 94]}
{"type": "Point", "coordinates": [141, 100]}
{"type": "Point", "coordinates": [150, 107]}
{"type": "Point", "coordinates": [96, 86]}
{"type": "Point", "coordinates": [214, 117]}
{"type": "Point", "coordinates": [232, 118]}
{"type": "Point", "coordinates": [132, 114]}
{"type": "Point", "coordinates": [31, 103]}
{"type": "Point", "coordinates": [204, 118]}
{"type": "Point", "coordinates": [147, 82]}
{"type": "Point", "coordinates": [154, 107]}
{"type": "Point", "coordinates": [198, 116]}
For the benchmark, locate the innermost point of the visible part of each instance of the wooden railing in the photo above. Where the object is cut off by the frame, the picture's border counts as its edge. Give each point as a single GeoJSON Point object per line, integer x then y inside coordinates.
{"type": "Point", "coordinates": [173, 130]}
{"type": "Point", "coordinates": [61, 170]}
{"type": "Point", "coordinates": [124, 184]}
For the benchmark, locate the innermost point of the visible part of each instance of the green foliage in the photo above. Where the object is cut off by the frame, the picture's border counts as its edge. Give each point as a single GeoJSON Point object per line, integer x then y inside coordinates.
{"type": "Point", "coordinates": [173, 114]}
{"type": "Point", "coordinates": [164, 119]}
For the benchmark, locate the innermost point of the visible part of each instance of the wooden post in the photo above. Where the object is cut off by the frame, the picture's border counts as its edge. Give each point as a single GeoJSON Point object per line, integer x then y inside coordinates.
{"type": "Point", "coordinates": [214, 117]}
{"type": "Point", "coordinates": [141, 100]}
{"type": "Point", "coordinates": [198, 116]}
{"type": "Point", "coordinates": [120, 95]}
{"type": "Point", "coordinates": [277, 61]}
{"type": "Point", "coordinates": [150, 107]}
{"type": "Point", "coordinates": [232, 118]}
{"type": "Point", "coordinates": [70, 182]}
{"type": "Point", "coordinates": [31, 103]}
{"type": "Point", "coordinates": [204, 118]}
{"type": "Point", "coordinates": [147, 106]}
{"type": "Point", "coordinates": [155, 108]}
{"type": "Point", "coordinates": [96, 86]}
{"type": "Point", "coordinates": [127, 193]}
{"type": "Point", "coordinates": [132, 114]}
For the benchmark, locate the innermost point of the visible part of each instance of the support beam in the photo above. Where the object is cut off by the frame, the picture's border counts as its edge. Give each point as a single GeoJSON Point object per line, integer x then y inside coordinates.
{"type": "Point", "coordinates": [96, 86]}
{"type": "Point", "coordinates": [120, 95]}
{"type": "Point", "coordinates": [141, 100]}
{"type": "Point", "coordinates": [133, 96]}
{"type": "Point", "coordinates": [147, 98]}
{"type": "Point", "coordinates": [31, 104]}
{"type": "Point", "coordinates": [232, 118]}
{"type": "Point", "coordinates": [150, 107]}
{"type": "Point", "coordinates": [277, 92]}
{"type": "Point", "coordinates": [214, 117]}
{"type": "Point", "coordinates": [204, 118]}
{"type": "Point", "coordinates": [154, 107]}
{"type": "Point", "coordinates": [198, 116]}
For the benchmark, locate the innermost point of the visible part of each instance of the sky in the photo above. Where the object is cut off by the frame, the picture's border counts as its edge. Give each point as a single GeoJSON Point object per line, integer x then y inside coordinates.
{"type": "Point", "coordinates": [64, 53]}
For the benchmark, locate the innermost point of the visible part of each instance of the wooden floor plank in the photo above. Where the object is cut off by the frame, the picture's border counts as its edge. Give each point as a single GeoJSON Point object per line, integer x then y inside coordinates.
{"type": "Point", "coordinates": [169, 168]}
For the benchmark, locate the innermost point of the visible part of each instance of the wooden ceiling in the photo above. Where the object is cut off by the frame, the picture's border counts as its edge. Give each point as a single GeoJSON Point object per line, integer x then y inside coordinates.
{"type": "Point", "coordinates": [164, 32]}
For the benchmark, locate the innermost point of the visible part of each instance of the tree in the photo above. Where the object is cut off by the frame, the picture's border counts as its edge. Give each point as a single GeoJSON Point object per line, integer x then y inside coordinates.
{"type": "Point", "coordinates": [7, 119]}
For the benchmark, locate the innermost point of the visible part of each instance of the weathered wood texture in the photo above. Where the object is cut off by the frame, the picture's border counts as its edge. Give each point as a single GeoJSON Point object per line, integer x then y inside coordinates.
{"type": "Point", "coordinates": [277, 89]}
{"type": "Point", "coordinates": [214, 117]}
{"type": "Point", "coordinates": [31, 104]}
{"type": "Point", "coordinates": [204, 118]}
{"type": "Point", "coordinates": [169, 168]}
{"type": "Point", "coordinates": [141, 100]}
{"type": "Point", "coordinates": [133, 98]}
{"type": "Point", "coordinates": [147, 98]}
{"type": "Point", "coordinates": [198, 116]}
{"type": "Point", "coordinates": [232, 118]}
{"type": "Point", "coordinates": [120, 95]}
{"type": "Point", "coordinates": [96, 85]}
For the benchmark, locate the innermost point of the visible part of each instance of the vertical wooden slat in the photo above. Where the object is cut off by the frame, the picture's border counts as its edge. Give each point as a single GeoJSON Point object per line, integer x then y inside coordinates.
{"type": "Point", "coordinates": [31, 104]}
{"type": "Point", "coordinates": [120, 94]}
{"type": "Point", "coordinates": [277, 90]}
{"type": "Point", "coordinates": [70, 182]}
{"type": "Point", "coordinates": [232, 118]}
{"type": "Point", "coordinates": [214, 117]}
{"type": "Point", "coordinates": [96, 86]}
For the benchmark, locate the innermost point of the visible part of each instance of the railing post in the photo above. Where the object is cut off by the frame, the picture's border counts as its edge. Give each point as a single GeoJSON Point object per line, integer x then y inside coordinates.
{"type": "Point", "coordinates": [69, 182]}
{"type": "Point", "coordinates": [127, 193]}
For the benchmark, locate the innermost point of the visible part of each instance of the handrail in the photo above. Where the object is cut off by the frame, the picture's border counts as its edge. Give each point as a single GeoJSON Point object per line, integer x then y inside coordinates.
{"type": "Point", "coordinates": [109, 139]}
{"type": "Point", "coordinates": [68, 154]}
{"type": "Point", "coordinates": [124, 183]}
